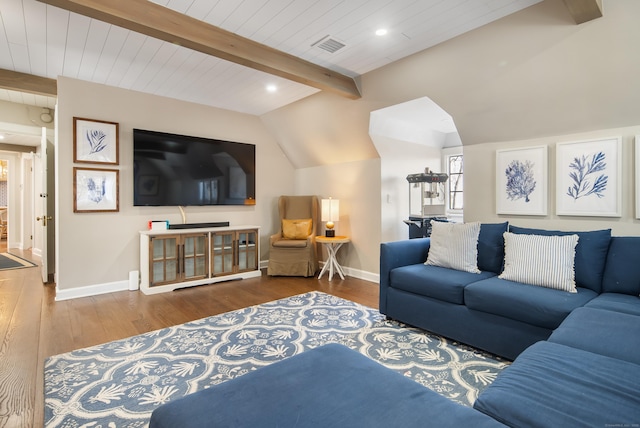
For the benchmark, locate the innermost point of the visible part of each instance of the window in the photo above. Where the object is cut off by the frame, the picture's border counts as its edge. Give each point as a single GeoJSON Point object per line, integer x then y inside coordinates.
{"type": "Point", "coordinates": [455, 189]}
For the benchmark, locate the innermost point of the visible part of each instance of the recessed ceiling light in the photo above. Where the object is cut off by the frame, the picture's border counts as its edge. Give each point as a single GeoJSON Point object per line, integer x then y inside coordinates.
{"type": "Point", "coordinates": [272, 88]}
{"type": "Point", "coordinates": [1, 137]}
{"type": "Point", "coordinates": [381, 32]}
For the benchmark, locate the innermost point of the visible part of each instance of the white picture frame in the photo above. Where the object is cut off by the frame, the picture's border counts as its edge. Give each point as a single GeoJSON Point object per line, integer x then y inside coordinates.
{"type": "Point", "coordinates": [95, 190]}
{"type": "Point", "coordinates": [95, 141]}
{"type": "Point", "coordinates": [522, 181]}
{"type": "Point", "coordinates": [589, 178]}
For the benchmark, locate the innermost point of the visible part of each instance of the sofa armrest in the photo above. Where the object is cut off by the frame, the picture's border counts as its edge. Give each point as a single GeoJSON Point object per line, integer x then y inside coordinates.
{"type": "Point", "coordinates": [396, 254]}
{"type": "Point", "coordinates": [275, 237]}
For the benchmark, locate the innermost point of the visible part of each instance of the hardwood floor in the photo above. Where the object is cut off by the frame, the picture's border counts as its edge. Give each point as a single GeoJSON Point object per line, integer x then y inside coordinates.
{"type": "Point", "coordinates": [33, 326]}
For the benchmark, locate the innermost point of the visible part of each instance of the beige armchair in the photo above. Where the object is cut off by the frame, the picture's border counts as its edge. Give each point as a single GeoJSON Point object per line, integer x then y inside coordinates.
{"type": "Point", "coordinates": [292, 251]}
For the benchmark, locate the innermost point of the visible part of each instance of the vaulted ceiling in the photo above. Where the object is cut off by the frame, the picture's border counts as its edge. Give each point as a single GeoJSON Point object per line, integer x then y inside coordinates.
{"type": "Point", "coordinates": [46, 41]}
{"type": "Point", "coordinates": [226, 53]}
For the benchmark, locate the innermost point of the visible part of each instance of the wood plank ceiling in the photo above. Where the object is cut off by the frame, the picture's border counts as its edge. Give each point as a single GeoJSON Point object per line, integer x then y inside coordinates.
{"type": "Point", "coordinates": [46, 41]}
{"type": "Point", "coordinates": [171, 26]}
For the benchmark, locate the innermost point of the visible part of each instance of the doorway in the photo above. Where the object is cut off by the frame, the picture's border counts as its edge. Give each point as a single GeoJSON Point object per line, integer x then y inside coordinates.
{"type": "Point", "coordinates": [20, 174]}
{"type": "Point", "coordinates": [4, 197]}
{"type": "Point", "coordinates": [16, 199]}
{"type": "Point", "coordinates": [409, 137]}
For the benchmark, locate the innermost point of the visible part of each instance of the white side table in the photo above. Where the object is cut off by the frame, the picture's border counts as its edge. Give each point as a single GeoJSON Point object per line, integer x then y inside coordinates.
{"type": "Point", "coordinates": [332, 245]}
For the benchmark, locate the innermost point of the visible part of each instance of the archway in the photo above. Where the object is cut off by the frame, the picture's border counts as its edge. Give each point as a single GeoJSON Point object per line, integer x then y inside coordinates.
{"type": "Point", "coordinates": [409, 137]}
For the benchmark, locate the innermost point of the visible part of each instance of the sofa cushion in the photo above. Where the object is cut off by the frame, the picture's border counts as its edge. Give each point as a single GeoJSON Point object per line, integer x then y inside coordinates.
{"type": "Point", "coordinates": [435, 281]}
{"type": "Point", "coordinates": [543, 307]}
{"type": "Point", "coordinates": [547, 261]}
{"type": "Point", "coordinates": [291, 243]}
{"type": "Point", "coordinates": [491, 246]}
{"type": "Point", "coordinates": [330, 386]}
{"type": "Point", "coordinates": [600, 331]}
{"type": "Point", "coordinates": [591, 253]}
{"type": "Point", "coordinates": [622, 271]}
{"type": "Point", "coordinates": [454, 246]}
{"type": "Point", "coordinates": [552, 385]}
{"type": "Point", "coordinates": [623, 303]}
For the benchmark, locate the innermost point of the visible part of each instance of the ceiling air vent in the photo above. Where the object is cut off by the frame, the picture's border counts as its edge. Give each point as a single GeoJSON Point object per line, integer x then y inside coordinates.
{"type": "Point", "coordinates": [329, 44]}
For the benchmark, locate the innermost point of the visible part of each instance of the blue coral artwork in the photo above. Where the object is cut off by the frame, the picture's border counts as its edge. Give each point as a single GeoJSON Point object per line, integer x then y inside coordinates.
{"type": "Point", "coordinates": [521, 181]}
{"type": "Point", "coordinates": [95, 190]}
{"type": "Point", "coordinates": [95, 141]}
{"type": "Point", "coordinates": [589, 175]}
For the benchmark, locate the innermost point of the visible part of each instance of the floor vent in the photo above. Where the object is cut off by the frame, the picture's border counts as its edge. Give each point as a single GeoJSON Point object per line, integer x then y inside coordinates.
{"type": "Point", "coordinates": [329, 44]}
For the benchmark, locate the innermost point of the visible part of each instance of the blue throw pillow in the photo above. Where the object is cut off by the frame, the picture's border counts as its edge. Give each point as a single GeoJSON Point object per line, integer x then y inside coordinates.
{"type": "Point", "coordinates": [491, 246]}
{"type": "Point", "coordinates": [591, 253]}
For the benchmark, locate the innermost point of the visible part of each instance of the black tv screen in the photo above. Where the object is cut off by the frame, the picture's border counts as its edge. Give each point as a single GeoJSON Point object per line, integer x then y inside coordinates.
{"type": "Point", "coordinates": [174, 170]}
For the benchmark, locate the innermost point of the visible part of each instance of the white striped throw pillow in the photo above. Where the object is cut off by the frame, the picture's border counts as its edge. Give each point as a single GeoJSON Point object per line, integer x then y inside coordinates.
{"type": "Point", "coordinates": [546, 261]}
{"type": "Point", "coordinates": [454, 246]}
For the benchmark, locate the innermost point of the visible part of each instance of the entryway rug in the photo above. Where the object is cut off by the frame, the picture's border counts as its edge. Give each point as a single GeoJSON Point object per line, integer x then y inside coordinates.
{"type": "Point", "coordinates": [10, 261]}
{"type": "Point", "coordinates": [119, 384]}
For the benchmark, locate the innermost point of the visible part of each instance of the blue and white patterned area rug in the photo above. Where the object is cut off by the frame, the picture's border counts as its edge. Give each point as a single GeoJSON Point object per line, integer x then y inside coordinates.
{"type": "Point", "coordinates": [120, 383]}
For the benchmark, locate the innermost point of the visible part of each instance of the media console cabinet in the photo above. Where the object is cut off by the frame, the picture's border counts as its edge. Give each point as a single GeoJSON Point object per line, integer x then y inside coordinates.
{"type": "Point", "coordinates": [178, 258]}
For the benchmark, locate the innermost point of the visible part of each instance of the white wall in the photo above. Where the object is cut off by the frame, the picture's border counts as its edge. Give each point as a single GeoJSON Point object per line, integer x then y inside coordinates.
{"type": "Point", "coordinates": [97, 250]}
{"type": "Point", "coordinates": [323, 129]}
{"type": "Point", "coordinates": [530, 75]}
{"type": "Point", "coordinates": [22, 115]}
{"type": "Point", "coordinates": [480, 191]}
{"type": "Point", "coordinates": [397, 160]}
{"type": "Point", "coordinates": [357, 186]}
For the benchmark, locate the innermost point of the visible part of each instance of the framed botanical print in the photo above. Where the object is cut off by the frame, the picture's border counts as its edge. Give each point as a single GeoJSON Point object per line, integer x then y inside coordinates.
{"type": "Point", "coordinates": [95, 190]}
{"type": "Point", "coordinates": [95, 141]}
{"type": "Point", "coordinates": [588, 178]}
{"type": "Point", "coordinates": [521, 181]}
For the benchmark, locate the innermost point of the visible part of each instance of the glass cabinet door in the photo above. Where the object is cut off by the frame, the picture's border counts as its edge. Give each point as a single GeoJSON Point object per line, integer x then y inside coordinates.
{"type": "Point", "coordinates": [181, 258]}
{"type": "Point", "coordinates": [247, 250]}
{"type": "Point", "coordinates": [164, 260]}
{"type": "Point", "coordinates": [222, 253]}
{"type": "Point", "coordinates": [195, 257]}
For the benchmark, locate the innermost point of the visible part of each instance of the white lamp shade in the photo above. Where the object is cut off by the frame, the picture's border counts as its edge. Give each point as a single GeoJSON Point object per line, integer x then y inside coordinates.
{"type": "Point", "coordinates": [330, 210]}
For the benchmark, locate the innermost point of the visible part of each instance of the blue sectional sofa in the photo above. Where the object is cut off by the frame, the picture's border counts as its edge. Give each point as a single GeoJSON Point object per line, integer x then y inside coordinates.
{"type": "Point", "coordinates": [576, 354]}
{"type": "Point", "coordinates": [497, 315]}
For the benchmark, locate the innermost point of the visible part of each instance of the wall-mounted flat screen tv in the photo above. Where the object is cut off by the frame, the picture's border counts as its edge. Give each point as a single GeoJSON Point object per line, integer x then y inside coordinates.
{"type": "Point", "coordinates": [179, 170]}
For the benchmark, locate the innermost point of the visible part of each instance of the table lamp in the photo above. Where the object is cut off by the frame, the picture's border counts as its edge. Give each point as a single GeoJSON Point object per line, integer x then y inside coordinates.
{"type": "Point", "coordinates": [330, 214]}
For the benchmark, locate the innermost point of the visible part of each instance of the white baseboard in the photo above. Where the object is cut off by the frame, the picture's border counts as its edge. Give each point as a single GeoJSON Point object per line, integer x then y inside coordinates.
{"type": "Point", "coordinates": [356, 273]}
{"type": "Point", "coordinates": [92, 290]}
{"type": "Point", "coordinates": [17, 245]}
{"type": "Point", "coordinates": [364, 275]}
{"type": "Point", "coordinates": [111, 287]}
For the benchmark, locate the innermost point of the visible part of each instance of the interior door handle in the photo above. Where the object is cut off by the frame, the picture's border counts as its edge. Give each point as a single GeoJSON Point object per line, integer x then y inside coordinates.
{"type": "Point", "coordinates": [44, 219]}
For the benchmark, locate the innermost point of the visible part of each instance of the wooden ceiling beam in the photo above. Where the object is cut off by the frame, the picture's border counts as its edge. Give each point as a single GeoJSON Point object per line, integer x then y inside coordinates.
{"type": "Point", "coordinates": [23, 82]}
{"type": "Point", "coordinates": [584, 10]}
{"type": "Point", "coordinates": [145, 17]}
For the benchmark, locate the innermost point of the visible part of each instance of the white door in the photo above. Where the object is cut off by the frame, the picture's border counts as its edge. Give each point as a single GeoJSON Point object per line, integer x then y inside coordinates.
{"type": "Point", "coordinates": [42, 218]}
